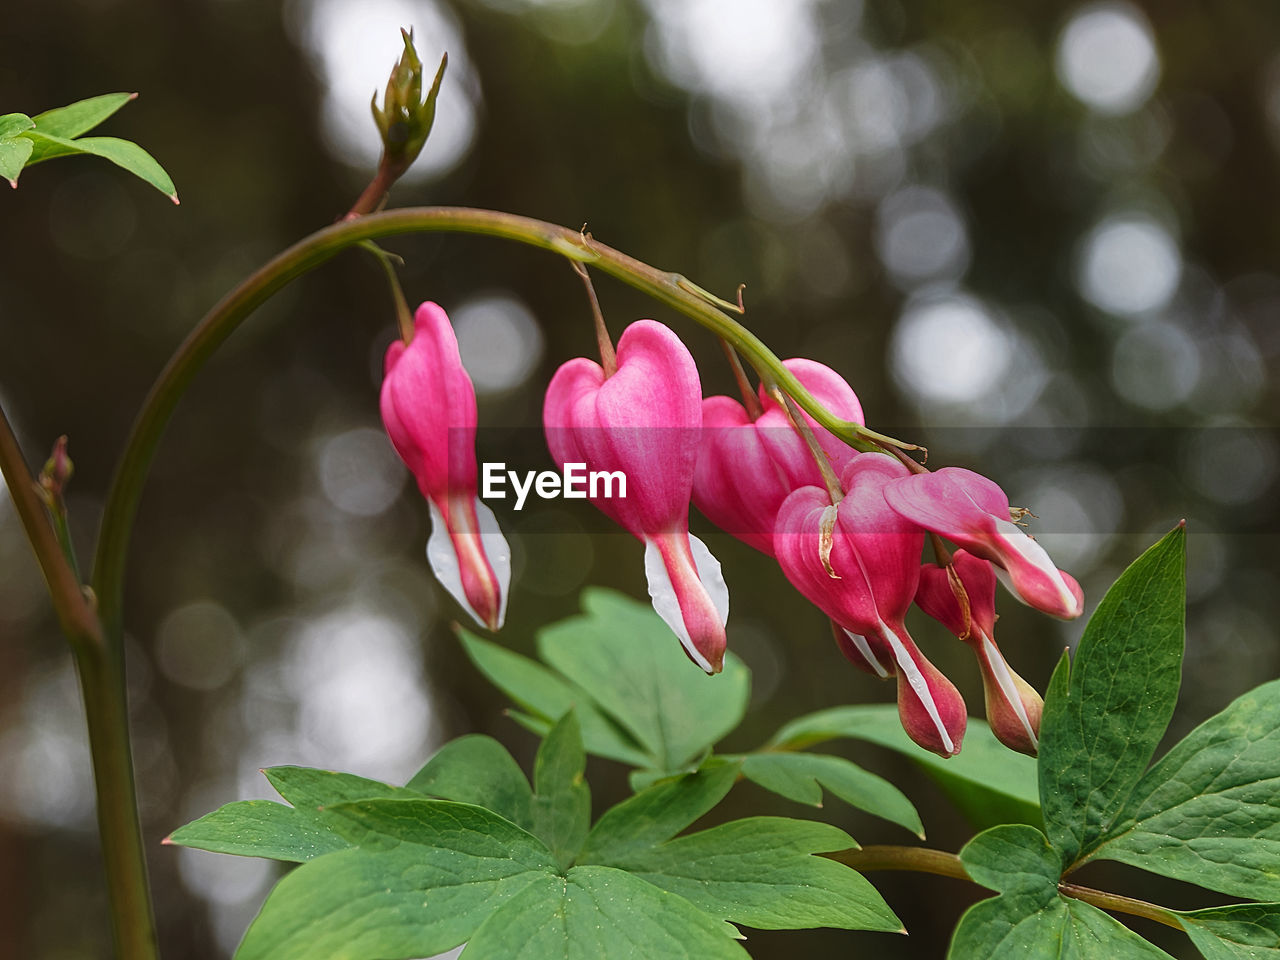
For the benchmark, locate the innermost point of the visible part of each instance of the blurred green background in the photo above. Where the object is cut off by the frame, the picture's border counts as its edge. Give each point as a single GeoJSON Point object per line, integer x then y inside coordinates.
{"type": "Point", "coordinates": [1043, 240]}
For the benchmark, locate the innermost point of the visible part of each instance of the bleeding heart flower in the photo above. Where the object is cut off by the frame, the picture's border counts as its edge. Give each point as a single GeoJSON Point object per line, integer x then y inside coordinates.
{"type": "Point", "coordinates": [746, 467]}
{"type": "Point", "coordinates": [963, 599]}
{"type": "Point", "coordinates": [974, 513]}
{"type": "Point", "coordinates": [645, 421]}
{"type": "Point", "coordinates": [429, 410]}
{"type": "Point", "coordinates": [865, 584]}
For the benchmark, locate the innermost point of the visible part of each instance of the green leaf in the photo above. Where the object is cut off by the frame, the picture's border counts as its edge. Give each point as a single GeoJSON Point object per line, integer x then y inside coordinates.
{"type": "Point", "coordinates": [1030, 927]}
{"type": "Point", "coordinates": [424, 877]}
{"type": "Point", "coordinates": [1209, 811]}
{"type": "Point", "coordinates": [760, 872]}
{"type": "Point", "coordinates": [802, 776]}
{"type": "Point", "coordinates": [1245, 931]}
{"type": "Point", "coordinates": [123, 153]}
{"type": "Point", "coordinates": [1014, 857]}
{"type": "Point", "coordinates": [14, 150]}
{"type": "Point", "coordinates": [1096, 742]}
{"type": "Point", "coordinates": [598, 913]}
{"type": "Point", "coordinates": [626, 656]}
{"type": "Point", "coordinates": [82, 116]}
{"type": "Point", "coordinates": [987, 781]}
{"type": "Point", "coordinates": [263, 828]}
{"type": "Point", "coordinates": [478, 769]}
{"type": "Point", "coordinates": [562, 800]}
{"type": "Point", "coordinates": [537, 689]}
{"type": "Point", "coordinates": [12, 124]}
{"type": "Point", "coordinates": [260, 828]}
{"type": "Point", "coordinates": [658, 813]}
{"type": "Point", "coordinates": [307, 787]}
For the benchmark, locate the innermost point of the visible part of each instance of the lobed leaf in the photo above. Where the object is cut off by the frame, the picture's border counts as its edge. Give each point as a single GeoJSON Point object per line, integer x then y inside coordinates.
{"type": "Point", "coordinates": [658, 813]}
{"type": "Point", "coordinates": [562, 800]}
{"type": "Point", "coordinates": [987, 781]}
{"type": "Point", "coordinates": [802, 776]}
{"type": "Point", "coordinates": [1025, 926]}
{"type": "Point", "coordinates": [1103, 719]}
{"type": "Point", "coordinates": [478, 769]}
{"type": "Point", "coordinates": [1209, 811]}
{"type": "Point", "coordinates": [1012, 858]}
{"type": "Point", "coordinates": [761, 872]}
{"type": "Point", "coordinates": [260, 828]}
{"type": "Point", "coordinates": [540, 691]}
{"type": "Point", "coordinates": [599, 913]}
{"type": "Point", "coordinates": [1244, 931]}
{"type": "Point", "coordinates": [424, 876]}
{"type": "Point", "coordinates": [14, 149]}
{"type": "Point", "coordinates": [625, 655]}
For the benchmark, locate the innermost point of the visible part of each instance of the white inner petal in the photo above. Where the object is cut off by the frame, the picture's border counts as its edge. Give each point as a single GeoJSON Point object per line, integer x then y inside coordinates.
{"type": "Point", "coordinates": [1004, 679]}
{"type": "Point", "coordinates": [498, 552]}
{"type": "Point", "coordinates": [1034, 554]}
{"type": "Point", "coordinates": [918, 683]}
{"type": "Point", "coordinates": [667, 604]}
{"type": "Point", "coordinates": [864, 648]}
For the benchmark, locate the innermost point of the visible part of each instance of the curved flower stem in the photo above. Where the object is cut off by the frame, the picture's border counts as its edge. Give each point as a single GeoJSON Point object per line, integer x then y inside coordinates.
{"type": "Point", "coordinates": [925, 860]}
{"type": "Point", "coordinates": [218, 324]}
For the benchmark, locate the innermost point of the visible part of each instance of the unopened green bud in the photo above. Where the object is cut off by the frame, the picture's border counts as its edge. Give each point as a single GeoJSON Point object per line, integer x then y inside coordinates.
{"type": "Point", "coordinates": [405, 118]}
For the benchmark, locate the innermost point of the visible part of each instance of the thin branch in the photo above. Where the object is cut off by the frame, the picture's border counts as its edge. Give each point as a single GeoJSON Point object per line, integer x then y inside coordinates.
{"type": "Point", "coordinates": [75, 614]}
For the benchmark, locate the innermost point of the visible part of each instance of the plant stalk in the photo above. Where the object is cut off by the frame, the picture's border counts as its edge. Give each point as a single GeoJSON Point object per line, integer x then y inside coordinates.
{"type": "Point", "coordinates": [925, 860]}
{"type": "Point", "coordinates": [100, 668]}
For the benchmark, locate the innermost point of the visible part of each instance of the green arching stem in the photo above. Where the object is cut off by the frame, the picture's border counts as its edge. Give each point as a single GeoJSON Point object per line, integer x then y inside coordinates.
{"type": "Point", "coordinates": [668, 288]}
{"type": "Point", "coordinates": [924, 860]}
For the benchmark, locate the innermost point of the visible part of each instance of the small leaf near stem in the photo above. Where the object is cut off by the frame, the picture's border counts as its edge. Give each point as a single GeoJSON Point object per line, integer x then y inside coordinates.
{"type": "Point", "coordinates": [739, 308]}
{"type": "Point", "coordinates": [608, 356]}
{"type": "Point", "coordinates": [404, 316]}
{"type": "Point", "coordinates": [53, 480]}
{"type": "Point", "coordinates": [749, 398]}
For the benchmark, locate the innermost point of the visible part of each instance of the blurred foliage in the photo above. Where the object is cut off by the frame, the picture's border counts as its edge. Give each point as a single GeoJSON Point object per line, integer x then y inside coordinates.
{"type": "Point", "coordinates": [580, 118]}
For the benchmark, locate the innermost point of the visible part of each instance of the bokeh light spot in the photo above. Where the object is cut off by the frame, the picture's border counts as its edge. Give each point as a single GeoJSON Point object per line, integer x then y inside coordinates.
{"type": "Point", "coordinates": [359, 472]}
{"type": "Point", "coordinates": [500, 341]}
{"type": "Point", "coordinates": [200, 646]}
{"type": "Point", "coordinates": [1156, 365]}
{"type": "Point", "coordinates": [1129, 265]}
{"type": "Point", "coordinates": [1107, 57]}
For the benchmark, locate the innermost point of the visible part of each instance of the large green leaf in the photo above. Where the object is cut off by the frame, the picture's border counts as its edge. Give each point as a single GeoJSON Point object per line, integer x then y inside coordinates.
{"type": "Point", "coordinates": [1097, 739]}
{"type": "Point", "coordinates": [1209, 811]}
{"type": "Point", "coordinates": [540, 691]}
{"type": "Point", "coordinates": [657, 814]}
{"type": "Point", "coordinates": [478, 769]}
{"type": "Point", "coordinates": [761, 872]}
{"type": "Point", "coordinates": [1244, 931]}
{"type": "Point", "coordinates": [82, 116]}
{"type": "Point", "coordinates": [802, 776]}
{"type": "Point", "coordinates": [260, 828]}
{"type": "Point", "coordinates": [1030, 920]}
{"type": "Point", "coordinates": [562, 800]}
{"type": "Point", "coordinates": [598, 913]}
{"type": "Point", "coordinates": [1020, 925]}
{"type": "Point", "coordinates": [424, 875]}
{"type": "Point", "coordinates": [625, 655]}
{"type": "Point", "coordinates": [988, 782]}
{"type": "Point", "coordinates": [123, 153]}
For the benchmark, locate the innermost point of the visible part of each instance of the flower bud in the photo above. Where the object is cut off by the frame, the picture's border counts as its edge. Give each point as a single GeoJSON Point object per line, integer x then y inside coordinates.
{"type": "Point", "coordinates": [962, 598]}
{"type": "Point", "coordinates": [405, 119]}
